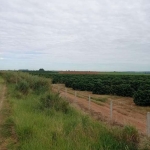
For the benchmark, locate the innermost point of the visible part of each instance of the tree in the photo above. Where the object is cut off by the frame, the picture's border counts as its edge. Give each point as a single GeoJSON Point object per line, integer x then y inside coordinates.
{"type": "Point", "coordinates": [41, 69]}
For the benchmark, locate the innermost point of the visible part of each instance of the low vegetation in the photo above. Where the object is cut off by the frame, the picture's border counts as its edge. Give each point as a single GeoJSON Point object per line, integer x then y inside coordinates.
{"type": "Point", "coordinates": [111, 84]}
{"type": "Point", "coordinates": [42, 120]}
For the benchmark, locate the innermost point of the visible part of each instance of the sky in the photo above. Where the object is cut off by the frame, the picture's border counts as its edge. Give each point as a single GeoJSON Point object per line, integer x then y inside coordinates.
{"type": "Point", "coordinates": [88, 35]}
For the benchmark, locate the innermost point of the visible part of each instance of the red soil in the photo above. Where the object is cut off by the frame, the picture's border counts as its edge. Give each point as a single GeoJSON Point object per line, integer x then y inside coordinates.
{"type": "Point", "coordinates": [124, 110]}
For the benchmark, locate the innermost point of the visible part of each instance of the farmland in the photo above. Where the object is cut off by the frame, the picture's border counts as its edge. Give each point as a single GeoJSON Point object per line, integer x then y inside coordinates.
{"type": "Point", "coordinates": [124, 111]}
{"type": "Point", "coordinates": [42, 120]}
{"type": "Point", "coordinates": [135, 85]}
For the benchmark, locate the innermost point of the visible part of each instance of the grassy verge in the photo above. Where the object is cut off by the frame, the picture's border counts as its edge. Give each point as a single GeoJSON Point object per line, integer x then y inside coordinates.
{"type": "Point", "coordinates": [43, 121]}
{"type": "Point", "coordinates": [7, 136]}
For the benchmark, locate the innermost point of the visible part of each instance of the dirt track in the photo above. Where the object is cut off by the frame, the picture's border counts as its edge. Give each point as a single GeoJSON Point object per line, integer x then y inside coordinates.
{"type": "Point", "coordinates": [124, 110]}
{"type": "Point", "coordinates": [2, 98]}
{"type": "Point", "coordinates": [2, 94]}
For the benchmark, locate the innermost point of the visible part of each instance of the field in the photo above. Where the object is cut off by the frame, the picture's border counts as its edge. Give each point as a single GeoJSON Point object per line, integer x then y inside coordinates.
{"type": "Point", "coordinates": [125, 112]}
{"type": "Point", "coordinates": [98, 72]}
{"type": "Point", "coordinates": [41, 118]}
{"type": "Point", "coordinates": [128, 91]}
{"type": "Point", "coordinates": [127, 85]}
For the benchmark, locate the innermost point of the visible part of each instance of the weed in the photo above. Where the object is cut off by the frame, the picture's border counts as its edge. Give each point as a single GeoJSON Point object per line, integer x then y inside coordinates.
{"type": "Point", "coordinates": [130, 134]}
{"type": "Point", "coordinates": [99, 99]}
{"type": "Point", "coordinates": [7, 127]}
{"type": "Point", "coordinates": [23, 86]}
{"type": "Point", "coordinates": [25, 132]}
{"type": "Point", "coordinates": [53, 101]}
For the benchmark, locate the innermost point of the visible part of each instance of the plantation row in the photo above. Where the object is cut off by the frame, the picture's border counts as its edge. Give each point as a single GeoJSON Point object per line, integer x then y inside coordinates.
{"type": "Point", "coordinates": [137, 86]}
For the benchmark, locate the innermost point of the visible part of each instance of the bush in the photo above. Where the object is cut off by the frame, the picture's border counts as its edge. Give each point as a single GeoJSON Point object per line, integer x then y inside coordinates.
{"type": "Point", "coordinates": [53, 101]}
{"type": "Point", "coordinates": [142, 98]}
{"type": "Point", "coordinates": [39, 85]}
{"type": "Point", "coordinates": [6, 129]}
{"type": "Point", "coordinates": [130, 134]}
{"type": "Point", "coordinates": [26, 82]}
{"type": "Point", "coordinates": [23, 86]}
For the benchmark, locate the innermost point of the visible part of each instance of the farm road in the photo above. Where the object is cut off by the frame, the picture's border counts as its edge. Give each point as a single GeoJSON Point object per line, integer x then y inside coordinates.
{"type": "Point", "coordinates": [2, 98]}
{"type": "Point", "coordinates": [2, 94]}
{"type": "Point", "coordinates": [122, 114]}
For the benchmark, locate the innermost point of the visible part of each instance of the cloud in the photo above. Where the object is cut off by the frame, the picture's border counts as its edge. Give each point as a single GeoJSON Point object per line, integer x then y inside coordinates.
{"type": "Point", "coordinates": [77, 32]}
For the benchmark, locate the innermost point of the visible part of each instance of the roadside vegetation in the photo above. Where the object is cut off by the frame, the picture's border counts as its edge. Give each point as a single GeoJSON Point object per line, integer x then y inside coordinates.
{"type": "Point", "coordinates": [42, 120]}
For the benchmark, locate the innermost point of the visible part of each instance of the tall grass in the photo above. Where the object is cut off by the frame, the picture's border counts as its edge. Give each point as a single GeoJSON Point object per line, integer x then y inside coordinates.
{"type": "Point", "coordinates": [25, 83]}
{"type": "Point", "coordinates": [45, 121]}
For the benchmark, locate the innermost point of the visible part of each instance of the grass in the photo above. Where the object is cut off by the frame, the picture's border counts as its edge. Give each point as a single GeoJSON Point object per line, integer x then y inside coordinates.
{"type": "Point", "coordinates": [51, 129]}
{"type": "Point", "coordinates": [1, 80]}
{"type": "Point", "coordinates": [104, 99]}
{"type": "Point", "coordinates": [45, 121]}
{"type": "Point", "coordinates": [6, 122]}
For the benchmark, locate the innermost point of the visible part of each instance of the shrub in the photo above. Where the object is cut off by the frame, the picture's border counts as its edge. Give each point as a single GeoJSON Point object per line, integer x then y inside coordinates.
{"type": "Point", "coordinates": [142, 98]}
{"type": "Point", "coordinates": [6, 129]}
{"type": "Point", "coordinates": [130, 134]}
{"type": "Point", "coordinates": [39, 85]}
{"type": "Point", "coordinates": [23, 86]}
{"type": "Point", "coordinates": [53, 101]}
{"type": "Point", "coordinates": [25, 132]}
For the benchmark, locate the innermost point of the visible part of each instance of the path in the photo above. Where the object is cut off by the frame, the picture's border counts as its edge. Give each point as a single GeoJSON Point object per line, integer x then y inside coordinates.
{"type": "Point", "coordinates": [123, 113]}
{"type": "Point", "coordinates": [2, 98]}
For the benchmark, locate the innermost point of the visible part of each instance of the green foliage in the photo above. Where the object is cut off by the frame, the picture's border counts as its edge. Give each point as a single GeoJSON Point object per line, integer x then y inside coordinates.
{"type": "Point", "coordinates": [23, 86]}
{"type": "Point", "coordinates": [142, 98]}
{"type": "Point", "coordinates": [121, 85]}
{"type": "Point", "coordinates": [41, 69]}
{"type": "Point", "coordinates": [130, 134]}
{"type": "Point", "coordinates": [24, 132]}
{"type": "Point", "coordinates": [51, 100]}
{"type": "Point", "coordinates": [39, 85]}
{"type": "Point", "coordinates": [7, 127]}
{"type": "Point", "coordinates": [99, 99]}
{"type": "Point", "coordinates": [25, 83]}
{"type": "Point", "coordinates": [46, 121]}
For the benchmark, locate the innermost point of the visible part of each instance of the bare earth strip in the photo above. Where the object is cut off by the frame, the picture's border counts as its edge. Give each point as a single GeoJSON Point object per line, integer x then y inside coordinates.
{"type": "Point", "coordinates": [124, 110]}
{"type": "Point", "coordinates": [2, 98]}
{"type": "Point", "coordinates": [2, 95]}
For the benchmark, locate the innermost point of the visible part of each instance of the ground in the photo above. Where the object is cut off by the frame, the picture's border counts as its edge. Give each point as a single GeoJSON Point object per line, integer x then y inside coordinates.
{"type": "Point", "coordinates": [2, 100]}
{"type": "Point", "coordinates": [125, 112]}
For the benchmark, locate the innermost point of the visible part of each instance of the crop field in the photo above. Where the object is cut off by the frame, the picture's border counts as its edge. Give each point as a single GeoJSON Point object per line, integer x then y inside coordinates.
{"type": "Point", "coordinates": [136, 86]}
{"type": "Point", "coordinates": [130, 94]}
{"type": "Point", "coordinates": [45, 116]}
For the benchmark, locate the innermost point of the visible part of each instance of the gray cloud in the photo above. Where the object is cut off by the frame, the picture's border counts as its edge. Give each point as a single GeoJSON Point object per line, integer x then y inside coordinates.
{"type": "Point", "coordinates": [91, 35]}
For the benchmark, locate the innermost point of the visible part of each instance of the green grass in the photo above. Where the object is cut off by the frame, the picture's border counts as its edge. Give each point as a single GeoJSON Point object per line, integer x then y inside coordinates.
{"type": "Point", "coordinates": [49, 129]}
{"type": "Point", "coordinates": [43, 126]}
{"type": "Point", "coordinates": [104, 99]}
{"type": "Point", "coordinates": [1, 80]}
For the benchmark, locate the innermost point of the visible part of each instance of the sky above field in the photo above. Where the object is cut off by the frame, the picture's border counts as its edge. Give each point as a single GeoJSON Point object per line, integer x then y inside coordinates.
{"type": "Point", "coordinates": [93, 35]}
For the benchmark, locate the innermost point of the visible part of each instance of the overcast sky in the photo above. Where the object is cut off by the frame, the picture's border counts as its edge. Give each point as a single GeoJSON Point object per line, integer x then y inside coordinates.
{"type": "Point", "coordinates": [95, 35]}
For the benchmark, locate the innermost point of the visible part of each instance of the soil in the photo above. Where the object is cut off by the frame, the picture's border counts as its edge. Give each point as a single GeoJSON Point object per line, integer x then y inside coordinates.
{"type": "Point", "coordinates": [125, 112]}
{"type": "Point", "coordinates": [2, 98]}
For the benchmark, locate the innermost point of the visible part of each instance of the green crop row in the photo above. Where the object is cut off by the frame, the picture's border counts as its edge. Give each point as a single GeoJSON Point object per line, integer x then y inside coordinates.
{"type": "Point", "coordinates": [122, 85]}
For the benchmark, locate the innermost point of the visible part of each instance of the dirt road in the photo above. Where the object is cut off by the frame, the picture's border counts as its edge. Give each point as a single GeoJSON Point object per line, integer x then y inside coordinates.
{"type": "Point", "coordinates": [124, 110]}
{"type": "Point", "coordinates": [2, 98]}
{"type": "Point", "coordinates": [2, 94]}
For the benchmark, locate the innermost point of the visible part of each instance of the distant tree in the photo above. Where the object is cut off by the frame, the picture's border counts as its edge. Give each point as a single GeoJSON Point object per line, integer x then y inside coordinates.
{"type": "Point", "coordinates": [41, 69]}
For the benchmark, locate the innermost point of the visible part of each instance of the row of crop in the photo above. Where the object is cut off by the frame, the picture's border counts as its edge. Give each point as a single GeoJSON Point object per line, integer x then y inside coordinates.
{"type": "Point", "coordinates": [122, 85]}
